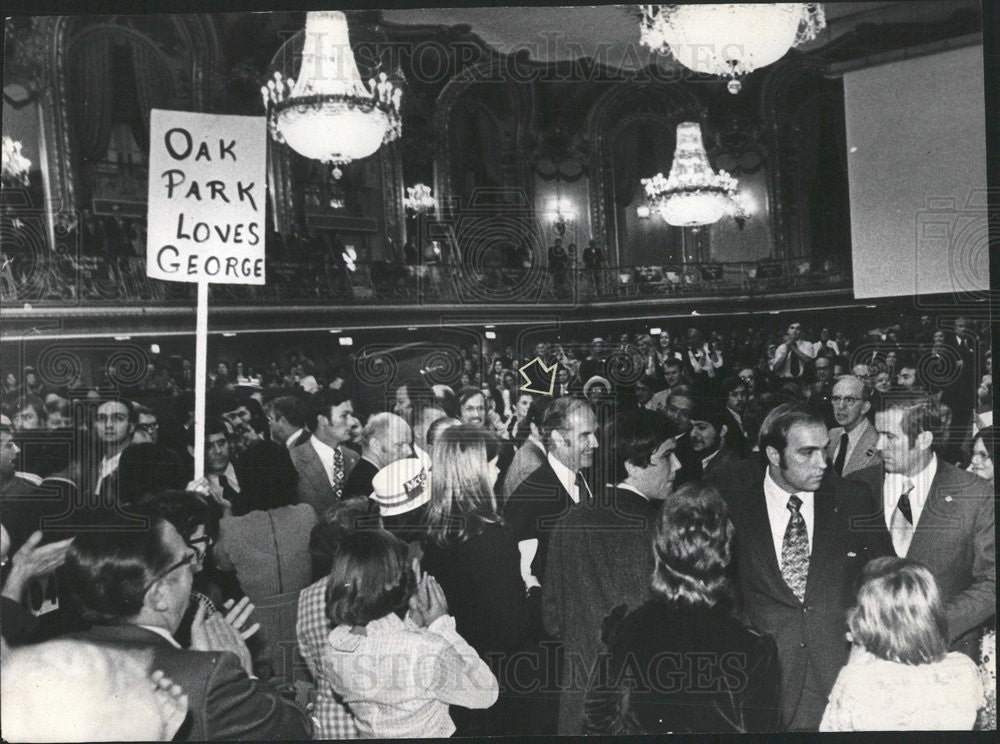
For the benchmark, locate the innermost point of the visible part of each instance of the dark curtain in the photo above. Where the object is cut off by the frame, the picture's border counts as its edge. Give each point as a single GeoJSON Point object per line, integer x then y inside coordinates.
{"type": "Point", "coordinates": [92, 95]}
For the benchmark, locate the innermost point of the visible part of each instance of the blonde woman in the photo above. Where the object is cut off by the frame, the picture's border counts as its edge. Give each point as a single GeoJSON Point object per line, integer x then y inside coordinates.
{"type": "Point", "coordinates": [475, 559]}
{"type": "Point", "coordinates": [900, 675]}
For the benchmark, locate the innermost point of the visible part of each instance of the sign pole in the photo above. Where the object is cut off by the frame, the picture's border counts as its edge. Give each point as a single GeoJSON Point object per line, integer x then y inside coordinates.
{"type": "Point", "coordinates": [200, 379]}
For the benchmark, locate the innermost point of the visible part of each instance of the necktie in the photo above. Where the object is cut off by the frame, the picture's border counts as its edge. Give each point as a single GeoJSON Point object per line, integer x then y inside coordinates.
{"type": "Point", "coordinates": [583, 490]}
{"type": "Point", "coordinates": [838, 464]}
{"type": "Point", "coordinates": [338, 473]}
{"type": "Point", "coordinates": [901, 524]}
{"type": "Point", "coordinates": [794, 366]}
{"type": "Point", "coordinates": [795, 550]}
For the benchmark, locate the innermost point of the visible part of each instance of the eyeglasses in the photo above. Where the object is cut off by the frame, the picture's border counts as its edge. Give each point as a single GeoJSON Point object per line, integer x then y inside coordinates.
{"type": "Point", "coordinates": [148, 428]}
{"type": "Point", "coordinates": [196, 542]}
{"type": "Point", "coordinates": [189, 558]}
{"type": "Point", "coordinates": [848, 399]}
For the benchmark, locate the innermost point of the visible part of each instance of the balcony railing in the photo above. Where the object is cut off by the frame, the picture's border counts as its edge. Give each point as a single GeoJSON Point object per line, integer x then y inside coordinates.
{"type": "Point", "coordinates": [64, 280]}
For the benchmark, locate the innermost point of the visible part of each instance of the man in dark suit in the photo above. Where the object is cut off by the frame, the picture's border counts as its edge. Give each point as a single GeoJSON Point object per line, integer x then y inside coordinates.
{"type": "Point", "coordinates": [798, 554]}
{"type": "Point", "coordinates": [709, 440]}
{"type": "Point", "coordinates": [600, 557]}
{"type": "Point", "coordinates": [569, 432]}
{"type": "Point", "coordinates": [324, 462]}
{"type": "Point", "coordinates": [286, 418]}
{"type": "Point", "coordinates": [386, 438]}
{"type": "Point", "coordinates": [852, 444]}
{"type": "Point", "coordinates": [134, 587]}
{"type": "Point", "coordinates": [936, 514]}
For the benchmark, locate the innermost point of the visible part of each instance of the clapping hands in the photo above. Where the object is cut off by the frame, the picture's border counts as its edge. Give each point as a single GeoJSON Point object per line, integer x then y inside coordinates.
{"type": "Point", "coordinates": [428, 602]}
{"type": "Point", "coordinates": [217, 633]}
{"type": "Point", "coordinates": [32, 561]}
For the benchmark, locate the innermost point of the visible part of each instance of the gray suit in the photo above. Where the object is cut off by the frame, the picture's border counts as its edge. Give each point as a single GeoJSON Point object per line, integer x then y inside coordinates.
{"type": "Point", "coordinates": [955, 539]}
{"type": "Point", "coordinates": [526, 461]}
{"type": "Point", "coordinates": [864, 455]}
{"type": "Point", "coordinates": [314, 486]}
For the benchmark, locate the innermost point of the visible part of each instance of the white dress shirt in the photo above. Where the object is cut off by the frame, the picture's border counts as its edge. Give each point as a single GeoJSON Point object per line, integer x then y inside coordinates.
{"type": "Point", "coordinates": [782, 364]}
{"type": "Point", "coordinates": [230, 474]}
{"type": "Point", "coordinates": [325, 453]}
{"type": "Point", "coordinates": [894, 484]}
{"type": "Point", "coordinates": [108, 466]}
{"type": "Point", "coordinates": [566, 477]}
{"type": "Point", "coordinates": [778, 513]}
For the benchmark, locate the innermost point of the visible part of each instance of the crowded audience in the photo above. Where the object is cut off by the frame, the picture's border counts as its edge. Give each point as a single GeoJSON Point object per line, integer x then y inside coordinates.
{"type": "Point", "coordinates": [812, 506]}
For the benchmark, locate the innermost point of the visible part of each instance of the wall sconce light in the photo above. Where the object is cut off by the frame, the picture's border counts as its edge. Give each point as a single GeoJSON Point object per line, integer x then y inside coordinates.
{"type": "Point", "coordinates": [419, 199]}
{"type": "Point", "coordinates": [490, 335]}
{"type": "Point", "coordinates": [642, 211]}
{"type": "Point", "coordinates": [346, 341]}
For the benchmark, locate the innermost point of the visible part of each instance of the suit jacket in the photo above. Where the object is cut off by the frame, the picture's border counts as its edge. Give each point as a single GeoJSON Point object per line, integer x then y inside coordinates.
{"type": "Point", "coordinates": [955, 539]}
{"type": "Point", "coordinates": [725, 459]}
{"type": "Point", "coordinates": [359, 482]}
{"type": "Point", "coordinates": [301, 439]}
{"type": "Point", "coordinates": [534, 509]}
{"type": "Point", "coordinates": [314, 486]}
{"type": "Point", "coordinates": [864, 454]}
{"type": "Point", "coordinates": [527, 459]}
{"type": "Point", "coordinates": [224, 702]}
{"type": "Point", "coordinates": [598, 558]}
{"type": "Point", "coordinates": [810, 634]}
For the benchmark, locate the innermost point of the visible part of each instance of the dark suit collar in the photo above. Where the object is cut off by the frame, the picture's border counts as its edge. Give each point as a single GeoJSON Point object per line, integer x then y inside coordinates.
{"type": "Point", "coordinates": [824, 563]}
{"type": "Point", "coordinates": [127, 633]}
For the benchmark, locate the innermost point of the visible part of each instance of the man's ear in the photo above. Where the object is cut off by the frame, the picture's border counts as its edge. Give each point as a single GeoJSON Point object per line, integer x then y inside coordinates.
{"type": "Point", "coordinates": [866, 407]}
{"type": "Point", "coordinates": [924, 440]}
{"type": "Point", "coordinates": [773, 456]}
{"type": "Point", "coordinates": [156, 598]}
{"type": "Point", "coordinates": [631, 469]}
{"type": "Point", "coordinates": [723, 431]}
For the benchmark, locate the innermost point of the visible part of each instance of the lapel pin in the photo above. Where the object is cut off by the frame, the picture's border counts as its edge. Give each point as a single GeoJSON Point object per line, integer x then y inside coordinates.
{"type": "Point", "coordinates": [948, 499]}
{"type": "Point", "coordinates": [852, 554]}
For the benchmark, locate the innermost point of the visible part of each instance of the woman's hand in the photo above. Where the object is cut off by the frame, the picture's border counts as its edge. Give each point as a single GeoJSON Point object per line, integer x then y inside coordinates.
{"type": "Point", "coordinates": [32, 561]}
{"type": "Point", "coordinates": [428, 602]}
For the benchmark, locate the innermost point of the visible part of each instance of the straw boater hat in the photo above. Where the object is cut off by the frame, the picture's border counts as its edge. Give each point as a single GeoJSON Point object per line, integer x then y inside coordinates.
{"type": "Point", "coordinates": [401, 486]}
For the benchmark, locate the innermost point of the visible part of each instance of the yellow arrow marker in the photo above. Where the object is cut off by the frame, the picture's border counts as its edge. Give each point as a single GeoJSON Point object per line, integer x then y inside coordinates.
{"type": "Point", "coordinates": [549, 370]}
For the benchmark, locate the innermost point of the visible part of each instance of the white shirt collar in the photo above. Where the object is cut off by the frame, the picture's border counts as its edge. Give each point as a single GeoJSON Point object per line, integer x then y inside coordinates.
{"type": "Point", "coordinates": [566, 477]}
{"type": "Point", "coordinates": [230, 473]}
{"type": "Point", "coordinates": [776, 500]}
{"type": "Point", "coordinates": [288, 442]}
{"type": "Point", "coordinates": [629, 487]}
{"type": "Point", "coordinates": [706, 460]}
{"type": "Point", "coordinates": [536, 441]}
{"type": "Point", "coordinates": [893, 486]}
{"type": "Point", "coordinates": [163, 633]}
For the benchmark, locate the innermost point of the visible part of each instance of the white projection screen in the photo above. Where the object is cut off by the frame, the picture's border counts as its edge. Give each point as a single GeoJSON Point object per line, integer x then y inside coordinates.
{"type": "Point", "coordinates": [916, 142]}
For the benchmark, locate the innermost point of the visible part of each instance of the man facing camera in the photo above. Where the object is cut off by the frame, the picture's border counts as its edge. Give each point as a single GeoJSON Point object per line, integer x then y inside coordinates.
{"type": "Point", "coordinates": [936, 514]}
{"type": "Point", "coordinates": [852, 442]}
{"type": "Point", "coordinates": [798, 554]}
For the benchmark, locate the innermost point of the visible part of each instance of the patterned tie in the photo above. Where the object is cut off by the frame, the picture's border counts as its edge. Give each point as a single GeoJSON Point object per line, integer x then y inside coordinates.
{"type": "Point", "coordinates": [901, 524]}
{"type": "Point", "coordinates": [338, 473]}
{"type": "Point", "coordinates": [795, 550]}
{"type": "Point", "coordinates": [838, 464]}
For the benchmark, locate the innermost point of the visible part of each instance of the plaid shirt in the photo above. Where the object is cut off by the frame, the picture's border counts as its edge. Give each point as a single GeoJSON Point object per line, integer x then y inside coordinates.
{"type": "Point", "coordinates": [332, 718]}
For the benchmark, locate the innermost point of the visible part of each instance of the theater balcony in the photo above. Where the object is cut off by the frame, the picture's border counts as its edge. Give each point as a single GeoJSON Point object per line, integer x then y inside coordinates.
{"type": "Point", "coordinates": [528, 163]}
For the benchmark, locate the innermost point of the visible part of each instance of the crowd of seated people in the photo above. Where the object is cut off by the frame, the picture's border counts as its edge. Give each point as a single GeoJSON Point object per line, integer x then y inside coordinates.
{"type": "Point", "coordinates": [739, 532]}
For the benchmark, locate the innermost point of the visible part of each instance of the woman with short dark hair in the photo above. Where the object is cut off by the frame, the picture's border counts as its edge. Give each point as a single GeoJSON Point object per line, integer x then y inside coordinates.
{"type": "Point", "coordinates": [683, 662]}
{"type": "Point", "coordinates": [398, 677]}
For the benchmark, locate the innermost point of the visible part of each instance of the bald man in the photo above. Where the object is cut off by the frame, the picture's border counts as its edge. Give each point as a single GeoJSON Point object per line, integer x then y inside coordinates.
{"type": "Point", "coordinates": [852, 443]}
{"type": "Point", "coordinates": [385, 439]}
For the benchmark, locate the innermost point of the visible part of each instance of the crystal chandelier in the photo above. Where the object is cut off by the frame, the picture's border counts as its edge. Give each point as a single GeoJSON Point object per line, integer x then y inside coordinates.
{"type": "Point", "coordinates": [329, 114]}
{"type": "Point", "coordinates": [693, 194]}
{"type": "Point", "coordinates": [419, 198]}
{"type": "Point", "coordinates": [729, 40]}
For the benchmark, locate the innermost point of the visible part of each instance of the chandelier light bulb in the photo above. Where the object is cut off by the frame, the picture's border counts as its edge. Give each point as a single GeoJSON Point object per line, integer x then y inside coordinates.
{"type": "Point", "coordinates": [693, 194]}
{"type": "Point", "coordinates": [729, 40]}
{"type": "Point", "coordinates": [328, 113]}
